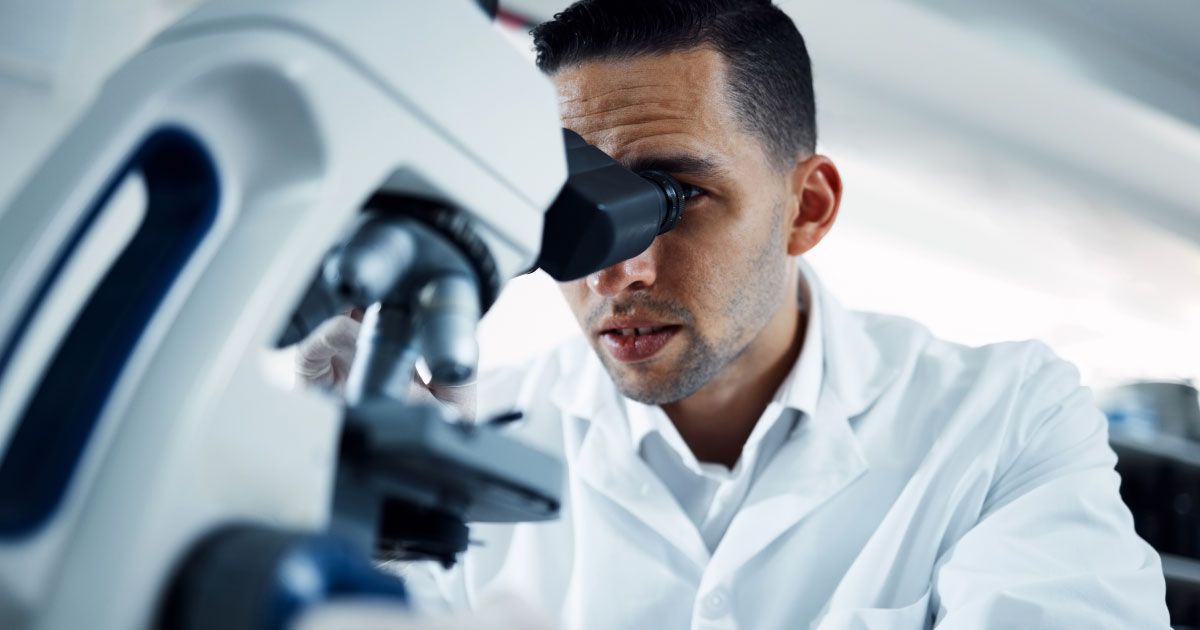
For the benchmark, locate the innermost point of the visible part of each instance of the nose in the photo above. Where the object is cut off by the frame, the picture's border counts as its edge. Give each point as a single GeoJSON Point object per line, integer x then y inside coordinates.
{"type": "Point", "coordinates": [635, 274]}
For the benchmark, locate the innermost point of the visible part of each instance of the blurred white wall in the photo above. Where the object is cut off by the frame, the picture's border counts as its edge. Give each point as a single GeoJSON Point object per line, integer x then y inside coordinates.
{"type": "Point", "coordinates": [54, 55]}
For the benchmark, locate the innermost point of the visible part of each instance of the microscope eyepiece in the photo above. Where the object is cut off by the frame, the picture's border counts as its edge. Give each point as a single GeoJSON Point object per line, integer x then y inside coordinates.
{"type": "Point", "coordinates": [674, 193]}
{"type": "Point", "coordinates": [605, 212]}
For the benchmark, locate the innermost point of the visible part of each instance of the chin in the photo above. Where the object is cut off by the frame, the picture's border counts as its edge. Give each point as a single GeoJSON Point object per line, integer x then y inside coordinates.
{"type": "Point", "coordinates": [645, 383]}
{"type": "Point", "coordinates": [658, 380]}
{"type": "Point", "coordinates": [646, 394]}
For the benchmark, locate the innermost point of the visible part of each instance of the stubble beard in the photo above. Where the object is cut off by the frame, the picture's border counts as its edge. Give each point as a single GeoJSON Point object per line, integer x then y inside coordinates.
{"type": "Point", "coordinates": [700, 362]}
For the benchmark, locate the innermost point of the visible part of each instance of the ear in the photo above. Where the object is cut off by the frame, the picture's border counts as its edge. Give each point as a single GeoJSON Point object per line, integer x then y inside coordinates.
{"type": "Point", "coordinates": [817, 187]}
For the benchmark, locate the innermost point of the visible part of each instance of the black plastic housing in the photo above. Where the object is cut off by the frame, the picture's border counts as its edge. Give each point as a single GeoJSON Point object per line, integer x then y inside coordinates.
{"type": "Point", "coordinates": [605, 213]}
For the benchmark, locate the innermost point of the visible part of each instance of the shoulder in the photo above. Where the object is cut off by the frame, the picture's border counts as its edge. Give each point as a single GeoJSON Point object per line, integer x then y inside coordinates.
{"type": "Point", "coordinates": [989, 398]}
{"type": "Point", "coordinates": [535, 388]}
{"type": "Point", "coordinates": [504, 388]}
{"type": "Point", "coordinates": [912, 348]}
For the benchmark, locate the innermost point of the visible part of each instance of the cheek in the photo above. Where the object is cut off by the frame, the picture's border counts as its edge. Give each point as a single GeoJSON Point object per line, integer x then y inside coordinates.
{"type": "Point", "coordinates": [716, 245]}
{"type": "Point", "coordinates": [695, 269]}
{"type": "Point", "coordinates": [719, 263]}
{"type": "Point", "coordinates": [576, 294]}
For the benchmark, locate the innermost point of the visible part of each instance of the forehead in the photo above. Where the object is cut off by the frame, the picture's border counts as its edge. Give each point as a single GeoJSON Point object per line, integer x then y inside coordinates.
{"type": "Point", "coordinates": [649, 103]}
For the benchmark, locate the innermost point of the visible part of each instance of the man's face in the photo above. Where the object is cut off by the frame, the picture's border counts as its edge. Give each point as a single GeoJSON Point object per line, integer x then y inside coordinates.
{"type": "Point", "coordinates": [698, 298]}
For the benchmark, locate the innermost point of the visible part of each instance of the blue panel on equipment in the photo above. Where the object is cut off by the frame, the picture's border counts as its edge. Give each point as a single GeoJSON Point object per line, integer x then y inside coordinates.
{"type": "Point", "coordinates": [182, 194]}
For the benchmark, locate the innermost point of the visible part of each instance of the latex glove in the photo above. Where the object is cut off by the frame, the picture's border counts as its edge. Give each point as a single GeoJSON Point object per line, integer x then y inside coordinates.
{"type": "Point", "coordinates": [323, 359]}
{"type": "Point", "coordinates": [460, 398]}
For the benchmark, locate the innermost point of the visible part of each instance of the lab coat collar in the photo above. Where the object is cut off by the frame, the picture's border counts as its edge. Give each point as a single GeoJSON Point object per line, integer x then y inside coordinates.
{"type": "Point", "coordinates": [607, 463]}
{"type": "Point", "coordinates": [802, 389]}
{"type": "Point", "coordinates": [854, 369]}
{"type": "Point", "coordinates": [823, 456]}
{"type": "Point", "coordinates": [584, 389]}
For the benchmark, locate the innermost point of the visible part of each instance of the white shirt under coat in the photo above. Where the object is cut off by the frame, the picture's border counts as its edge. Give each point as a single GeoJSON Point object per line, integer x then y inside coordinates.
{"type": "Point", "coordinates": [927, 484]}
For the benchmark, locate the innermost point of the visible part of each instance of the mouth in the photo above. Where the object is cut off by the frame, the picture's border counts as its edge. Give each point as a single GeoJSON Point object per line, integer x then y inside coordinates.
{"type": "Point", "coordinates": [631, 344]}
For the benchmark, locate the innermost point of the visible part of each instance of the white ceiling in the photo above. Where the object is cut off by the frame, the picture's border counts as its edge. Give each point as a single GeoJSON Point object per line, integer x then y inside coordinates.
{"type": "Point", "coordinates": [1147, 49]}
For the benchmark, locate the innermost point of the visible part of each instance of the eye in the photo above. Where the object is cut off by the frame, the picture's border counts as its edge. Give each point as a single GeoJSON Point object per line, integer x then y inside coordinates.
{"type": "Point", "coordinates": [691, 191]}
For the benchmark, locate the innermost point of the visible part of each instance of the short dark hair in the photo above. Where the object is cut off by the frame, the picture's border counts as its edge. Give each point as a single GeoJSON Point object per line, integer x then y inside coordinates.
{"type": "Point", "coordinates": [770, 77]}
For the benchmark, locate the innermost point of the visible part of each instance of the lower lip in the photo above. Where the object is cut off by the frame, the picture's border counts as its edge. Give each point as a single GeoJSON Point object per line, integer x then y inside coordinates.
{"type": "Point", "coordinates": [632, 348]}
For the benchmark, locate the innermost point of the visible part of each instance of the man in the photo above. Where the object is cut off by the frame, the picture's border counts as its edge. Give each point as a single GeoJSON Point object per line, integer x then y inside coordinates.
{"type": "Point", "coordinates": [741, 450]}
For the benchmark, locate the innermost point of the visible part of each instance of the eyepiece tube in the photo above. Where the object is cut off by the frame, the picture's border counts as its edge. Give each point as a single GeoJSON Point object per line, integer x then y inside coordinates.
{"type": "Point", "coordinates": [605, 212]}
{"type": "Point", "coordinates": [675, 196]}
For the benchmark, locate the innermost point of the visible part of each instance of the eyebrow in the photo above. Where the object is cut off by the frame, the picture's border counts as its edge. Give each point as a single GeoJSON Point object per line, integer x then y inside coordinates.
{"type": "Point", "coordinates": [694, 165]}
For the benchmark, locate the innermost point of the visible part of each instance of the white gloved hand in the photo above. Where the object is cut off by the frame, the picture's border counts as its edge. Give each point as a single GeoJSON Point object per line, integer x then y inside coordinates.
{"type": "Point", "coordinates": [460, 398]}
{"type": "Point", "coordinates": [324, 358]}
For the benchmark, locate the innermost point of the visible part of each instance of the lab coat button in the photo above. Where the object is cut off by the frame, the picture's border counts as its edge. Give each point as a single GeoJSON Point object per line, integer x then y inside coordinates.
{"type": "Point", "coordinates": [715, 604]}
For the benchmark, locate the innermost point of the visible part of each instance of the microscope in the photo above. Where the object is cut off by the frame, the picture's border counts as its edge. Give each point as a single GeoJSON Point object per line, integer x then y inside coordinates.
{"type": "Point", "coordinates": [258, 168]}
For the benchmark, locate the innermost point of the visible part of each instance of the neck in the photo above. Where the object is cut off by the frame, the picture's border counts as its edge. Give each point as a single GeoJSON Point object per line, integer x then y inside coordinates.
{"type": "Point", "coordinates": [716, 421]}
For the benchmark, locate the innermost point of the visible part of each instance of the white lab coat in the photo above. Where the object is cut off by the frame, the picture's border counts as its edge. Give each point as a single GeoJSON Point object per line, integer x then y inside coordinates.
{"type": "Point", "coordinates": [935, 486]}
